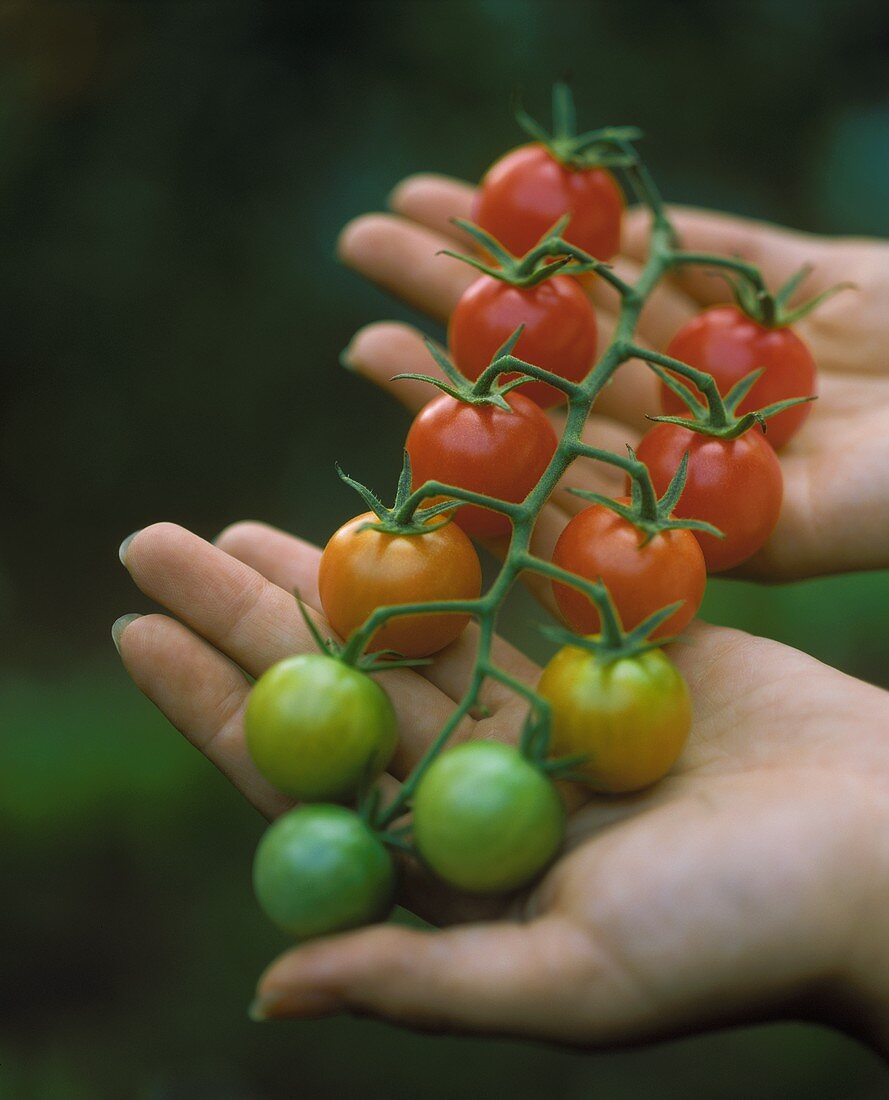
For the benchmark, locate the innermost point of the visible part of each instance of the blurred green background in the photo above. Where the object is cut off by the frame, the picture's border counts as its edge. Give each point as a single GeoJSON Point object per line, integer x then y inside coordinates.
{"type": "Point", "coordinates": [172, 180]}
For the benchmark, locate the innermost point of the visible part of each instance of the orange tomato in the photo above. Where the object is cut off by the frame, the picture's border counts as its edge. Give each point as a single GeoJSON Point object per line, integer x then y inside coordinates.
{"type": "Point", "coordinates": [363, 570]}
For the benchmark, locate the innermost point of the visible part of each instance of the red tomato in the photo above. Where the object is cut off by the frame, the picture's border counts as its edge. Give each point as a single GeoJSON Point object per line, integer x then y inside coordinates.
{"type": "Point", "coordinates": [484, 449]}
{"type": "Point", "coordinates": [560, 330]}
{"type": "Point", "coordinates": [735, 484]}
{"type": "Point", "coordinates": [526, 192]}
{"type": "Point", "coordinates": [597, 544]}
{"type": "Point", "coordinates": [728, 344]}
{"type": "Point", "coordinates": [363, 570]}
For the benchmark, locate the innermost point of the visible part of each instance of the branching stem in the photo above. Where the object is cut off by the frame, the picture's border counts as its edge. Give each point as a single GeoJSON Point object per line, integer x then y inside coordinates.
{"type": "Point", "coordinates": [664, 255]}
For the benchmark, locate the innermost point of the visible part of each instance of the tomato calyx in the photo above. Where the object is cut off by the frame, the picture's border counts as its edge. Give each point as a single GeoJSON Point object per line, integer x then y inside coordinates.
{"type": "Point", "coordinates": [648, 513]}
{"type": "Point", "coordinates": [552, 255]}
{"type": "Point", "coordinates": [767, 308]}
{"type": "Point", "coordinates": [771, 310]}
{"type": "Point", "coordinates": [404, 517]}
{"type": "Point", "coordinates": [607, 147]}
{"type": "Point", "coordinates": [717, 414]}
{"type": "Point", "coordinates": [487, 389]}
{"type": "Point", "coordinates": [632, 643]}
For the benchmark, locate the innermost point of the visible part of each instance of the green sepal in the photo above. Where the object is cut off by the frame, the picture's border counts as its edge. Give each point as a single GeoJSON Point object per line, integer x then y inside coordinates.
{"type": "Point", "coordinates": [770, 310]}
{"type": "Point", "coordinates": [400, 519]}
{"type": "Point", "coordinates": [718, 417]}
{"type": "Point", "coordinates": [551, 255]}
{"type": "Point", "coordinates": [648, 514]}
{"type": "Point", "coordinates": [486, 390]}
{"type": "Point", "coordinates": [608, 147]}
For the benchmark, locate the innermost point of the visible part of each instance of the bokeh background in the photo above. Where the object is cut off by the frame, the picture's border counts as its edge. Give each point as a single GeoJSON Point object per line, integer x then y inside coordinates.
{"type": "Point", "coordinates": [172, 179]}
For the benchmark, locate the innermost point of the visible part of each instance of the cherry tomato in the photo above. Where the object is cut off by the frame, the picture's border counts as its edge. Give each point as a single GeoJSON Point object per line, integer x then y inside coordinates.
{"type": "Point", "coordinates": [526, 192]}
{"type": "Point", "coordinates": [597, 544]}
{"type": "Point", "coordinates": [735, 484]}
{"type": "Point", "coordinates": [317, 729]}
{"type": "Point", "coordinates": [728, 344]}
{"type": "Point", "coordinates": [320, 869]}
{"type": "Point", "coordinates": [631, 717]}
{"type": "Point", "coordinates": [484, 449]}
{"type": "Point", "coordinates": [559, 336]}
{"type": "Point", "coordinates": [485, 819]}
{"type": "Point", "coordinates": [363, 570]}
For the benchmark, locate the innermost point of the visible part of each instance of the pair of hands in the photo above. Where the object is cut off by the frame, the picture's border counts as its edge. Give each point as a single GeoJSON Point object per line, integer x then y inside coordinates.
{"type": "Point", "coordinates": [750, 883]}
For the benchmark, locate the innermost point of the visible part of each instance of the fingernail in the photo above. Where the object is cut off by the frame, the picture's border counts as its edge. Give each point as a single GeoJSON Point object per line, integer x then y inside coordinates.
{"type": "Point", "coordinates": [124, 546]}
{"type": "Point", "coordinates": [257, 1010]}
{"type": "Point", "coordinates": [120, 626]}
{"type": "Point", "coordinates": [308, 1003]}
{"type": "Point", "coordinates": [346, 358]}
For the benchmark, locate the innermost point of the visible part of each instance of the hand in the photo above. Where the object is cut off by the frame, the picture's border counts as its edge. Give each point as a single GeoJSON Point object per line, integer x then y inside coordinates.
{"type": "Point", "coordinates": [836, 470]}
{"type": "Point", "coordinates": [750, 883]}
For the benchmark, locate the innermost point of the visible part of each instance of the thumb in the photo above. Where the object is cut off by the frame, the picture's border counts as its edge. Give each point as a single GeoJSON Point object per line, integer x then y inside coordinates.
{"type": "Point", "coordinates": [517, 979]}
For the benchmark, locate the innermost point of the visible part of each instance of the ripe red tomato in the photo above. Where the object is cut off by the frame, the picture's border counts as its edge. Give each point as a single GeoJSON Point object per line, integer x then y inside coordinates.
{"type": "Point", "coordinates": [559, 336]}
{"type": "Point", "coordinates": [735, 484]}
{"type": "Point", "coordinates": [728, 344]}
{"type": "Point", "coordinates": [484, 449]}
{"type": "Point", "coordinates": [363, 570]}
{"type": "Point", "coordinates": [526, 192]}
{"type": "Point", "coordinates": [597, 544]}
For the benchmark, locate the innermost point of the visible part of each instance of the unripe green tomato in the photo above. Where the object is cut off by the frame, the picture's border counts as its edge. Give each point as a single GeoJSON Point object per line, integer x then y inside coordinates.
{"type": "Point", "coordinates": [485, 819]}
{"type": "Point", "coordinates": [630, 717]}
{"type": "Point", "coordinates": [320, 869]}
{"type": "Point", "coordinates": [317, 729]}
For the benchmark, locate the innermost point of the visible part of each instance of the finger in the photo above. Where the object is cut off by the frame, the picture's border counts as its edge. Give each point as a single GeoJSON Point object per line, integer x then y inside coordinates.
{"type": "Point", "coordinates": [500, 977]}
{"type": "Point", "coordinates": [202, 694]}
{"type": "Point", "coordinates": [434, 201]}
{"type": "Point", "coordinates": [776, 251]}
{"type": "Point", "coordinates": [256, 623]}
{"type": "Point", "coordinates": [403, 258]}
{"type": "Point", "coordinates": [287, 561]}
{"type": "Point", "coordinates": [383, 349]}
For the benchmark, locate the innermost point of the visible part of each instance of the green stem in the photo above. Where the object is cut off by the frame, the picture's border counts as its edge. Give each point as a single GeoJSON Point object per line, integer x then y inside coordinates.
{"type": "Point", "coordinates": [359, 639]}
{"type": "Point", "coordinates": [440, 489]}
{"type": "Point", "coordinates": [706, 383]}
{"type": "Point", "coordinates": [611, 629]}
{"type": "Point", "coordinates": [506, 364]}
{"type": "Point", "coordinates": [638, 471]}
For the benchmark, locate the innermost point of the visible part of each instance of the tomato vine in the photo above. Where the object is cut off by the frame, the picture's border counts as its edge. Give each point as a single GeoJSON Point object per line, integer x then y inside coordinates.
{"type": "Point", "coordinates": [617, 148]}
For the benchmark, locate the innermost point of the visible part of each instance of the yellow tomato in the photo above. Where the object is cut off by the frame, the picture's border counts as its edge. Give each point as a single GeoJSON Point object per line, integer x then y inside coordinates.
{"type": "Point", "coordinates": [631, 717]}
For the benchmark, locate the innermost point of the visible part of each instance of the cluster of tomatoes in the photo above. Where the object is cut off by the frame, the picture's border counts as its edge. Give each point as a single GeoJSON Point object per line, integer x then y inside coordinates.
{"type": "Point", "coordinates": [703, 494]}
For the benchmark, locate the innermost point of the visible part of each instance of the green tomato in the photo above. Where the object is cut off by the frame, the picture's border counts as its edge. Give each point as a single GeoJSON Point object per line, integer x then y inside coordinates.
{"type": "Point", "coordinates": [485, 819]}
{"type": "Point", "coordinates": [320, 869]}
{"type": "Point", "coordinates": [317, 729]}
{"type": "Point", "coordinates": [630, 717]}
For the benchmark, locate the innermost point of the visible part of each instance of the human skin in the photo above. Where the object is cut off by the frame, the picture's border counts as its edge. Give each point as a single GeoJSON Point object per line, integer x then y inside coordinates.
{"type": "Point", "coordinates": [750, 884]}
